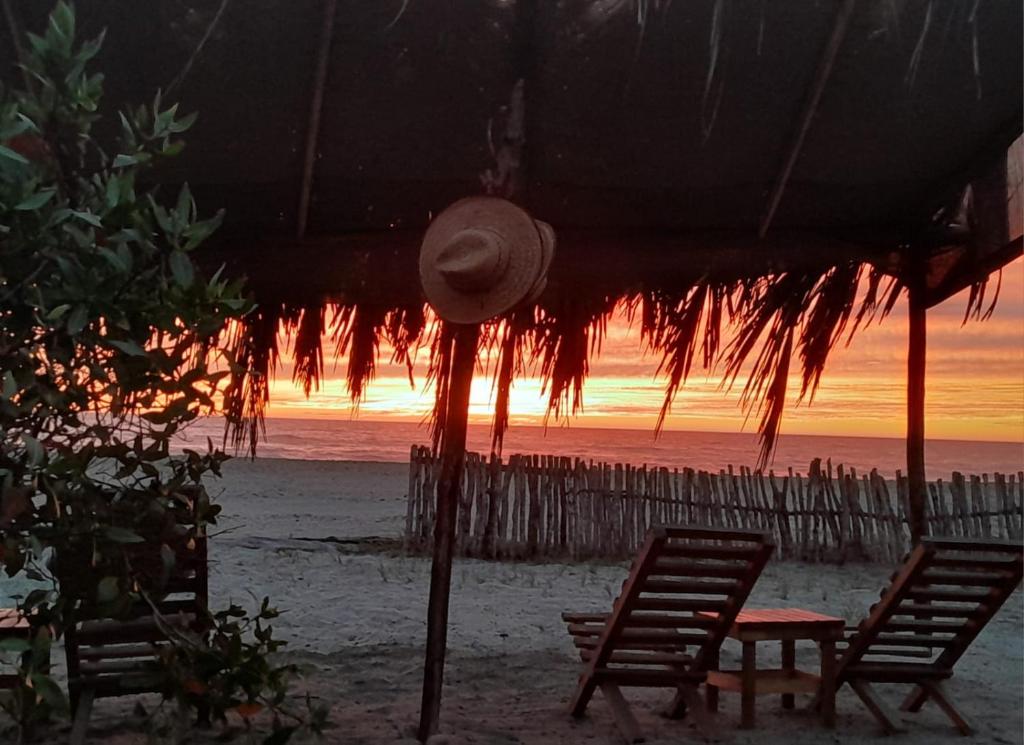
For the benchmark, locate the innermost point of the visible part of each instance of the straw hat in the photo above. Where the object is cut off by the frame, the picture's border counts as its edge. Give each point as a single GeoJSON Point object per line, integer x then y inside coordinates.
{"type": "Point", "coordinates": [483, 256]}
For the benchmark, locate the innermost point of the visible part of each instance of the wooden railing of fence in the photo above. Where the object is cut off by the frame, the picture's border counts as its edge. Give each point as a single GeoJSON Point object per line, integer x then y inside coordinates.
{"type": "Point", "coordinates": [534, 506]}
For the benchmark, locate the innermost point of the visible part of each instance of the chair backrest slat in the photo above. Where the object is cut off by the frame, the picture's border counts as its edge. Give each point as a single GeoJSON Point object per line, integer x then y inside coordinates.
{"type": "Point", "coordinates": [112, 650]}
{"type": "Point", "coordinates": [946, 592]}
{"type": "Point", "coordinates": [684, 590]}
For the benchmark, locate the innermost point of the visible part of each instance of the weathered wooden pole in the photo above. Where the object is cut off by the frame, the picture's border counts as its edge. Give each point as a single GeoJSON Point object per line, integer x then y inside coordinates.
{"type": "Point", "coordinates": [449, 486]}
{"type": "Point", "coordinates": [916, 347]}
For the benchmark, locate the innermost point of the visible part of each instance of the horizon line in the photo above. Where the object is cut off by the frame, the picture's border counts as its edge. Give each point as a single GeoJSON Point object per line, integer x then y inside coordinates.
{"type": "Point", "coordinates": [655, 435]}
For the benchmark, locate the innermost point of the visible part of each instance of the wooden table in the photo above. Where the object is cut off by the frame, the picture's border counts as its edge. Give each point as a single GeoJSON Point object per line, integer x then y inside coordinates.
{"type": "Point", "coordinates": [786, 625]}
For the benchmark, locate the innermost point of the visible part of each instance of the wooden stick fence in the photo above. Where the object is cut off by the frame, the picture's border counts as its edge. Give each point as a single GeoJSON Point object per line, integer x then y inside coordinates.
{"type": "Point", "coordinates": [534, 506]}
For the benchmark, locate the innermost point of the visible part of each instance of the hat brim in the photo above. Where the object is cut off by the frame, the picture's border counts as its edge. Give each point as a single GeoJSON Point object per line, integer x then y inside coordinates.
{"type": "Point", "coordinates": [525, 266]}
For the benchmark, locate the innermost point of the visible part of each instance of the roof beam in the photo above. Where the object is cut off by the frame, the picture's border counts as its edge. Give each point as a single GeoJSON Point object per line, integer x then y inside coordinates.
{"type": "Point", "coordinates": [382, 265]}
{"type": "Point", "coordinates": [316, 104]}
{"type": "Point", "coordinates": [972, 270]}
{"type": "Point", "coordinates": [828, 58]}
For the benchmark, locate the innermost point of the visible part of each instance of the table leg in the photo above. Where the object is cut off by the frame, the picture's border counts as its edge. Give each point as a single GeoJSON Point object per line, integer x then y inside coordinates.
{"type": "Point", "coordinates": [749, 684]}
{"type": "Point", "coordinates": [789, 665]}
{"type": "Point", "coordinates": [828, 683]}
{"type": "Point", "coordinates": [712, 691]}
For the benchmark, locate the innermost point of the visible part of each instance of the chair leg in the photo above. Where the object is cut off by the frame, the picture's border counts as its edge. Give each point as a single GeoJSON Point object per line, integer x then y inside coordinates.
{"type": "Point", "coordinates": [203, 716]}
{"type": "Point", "coordinates": [584, 692]}
{"type": "Point", "coordinates": [695, 705]}
{"type": "Point", "coordinates": [676, 708]}
{"type": "Point", "coordinates": [711, 692]}
{"type": "Point", "coordinates": [83, 710]}
{"type": "Point", "coordinates": [679, 705]}
{"type": "Point", "coordinates": [748, 691]}
{"type": "Point", "coordinates": [827, 689]}
{"type": "Point", "coordinates": [915, 699]}
{"type": "Point", "coordinates": [938, 694]}
{"type": "Point", "coordinates": [885, 716]}
{"type": "Point", "coordinates": [623, 715]}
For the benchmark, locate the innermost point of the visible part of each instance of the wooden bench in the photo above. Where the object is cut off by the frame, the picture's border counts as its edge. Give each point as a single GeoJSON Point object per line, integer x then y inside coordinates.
{"type": "Point", "coordinates": [646, 640]}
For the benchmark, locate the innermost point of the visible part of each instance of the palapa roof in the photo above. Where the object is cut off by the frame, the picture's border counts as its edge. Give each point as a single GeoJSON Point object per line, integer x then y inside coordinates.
{"type": "Point", "coordinates": [705, 160]}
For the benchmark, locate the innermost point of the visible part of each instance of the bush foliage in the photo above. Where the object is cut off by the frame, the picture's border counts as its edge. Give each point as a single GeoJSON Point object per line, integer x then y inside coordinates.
{"type": "Point", "coordinates": [110, 344]}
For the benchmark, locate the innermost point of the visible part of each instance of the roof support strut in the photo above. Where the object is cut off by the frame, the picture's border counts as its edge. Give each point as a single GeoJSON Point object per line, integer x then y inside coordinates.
{"type": "Point", "coordinates": [449, 485]}
{"type": "Point", "coordinates": [508, 180]}
{"type": "Point", "coordinates": [316, 104]}
{"type": "Point", "coordinates": [828, 58]}
{"type": "Point", "coordinates": [916, 355]}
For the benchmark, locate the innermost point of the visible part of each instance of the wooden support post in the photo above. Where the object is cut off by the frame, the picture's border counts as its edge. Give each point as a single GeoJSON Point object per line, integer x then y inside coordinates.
{"type": "Point", "coordinates": [916, 348]}
{"type": "Point", "coordinates": [449, 485]}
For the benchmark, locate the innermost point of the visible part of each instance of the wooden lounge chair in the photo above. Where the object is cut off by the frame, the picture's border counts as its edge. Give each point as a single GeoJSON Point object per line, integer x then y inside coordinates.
{"type": "Point", "coordinates": [679, 573]}
{"type": "Point", "coordinates": [13, 625]}
{"type": "Point", "coordinates": [109, 657]}
{"type": "Point", "coordinates": [941, 599]}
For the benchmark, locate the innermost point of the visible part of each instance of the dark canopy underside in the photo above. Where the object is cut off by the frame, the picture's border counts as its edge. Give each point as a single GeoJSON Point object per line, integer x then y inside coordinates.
{"type": "Point", "coordinates": [641, 118]}
{"type": "Point", "coordinates": [710, 161]}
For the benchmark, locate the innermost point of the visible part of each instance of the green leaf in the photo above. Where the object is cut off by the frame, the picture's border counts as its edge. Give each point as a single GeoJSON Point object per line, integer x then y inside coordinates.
{"type": "Point", "coordinates": [6, 152]}
{"type": "Point", "coordinates": [128, 346]}
{"type": "Point", "coordinates": [10, 385]}
{"type": "Point", "coordinates": [199, 231]}
{"type": "Point", "coordinates": [91, 48]}
{"type": "Point", "coordinates": [34, 450]}
{"type": "Point", "coordinates": [78, 319]}
{"type": "Point", "coordinates": [122, 160]}
{"type": "Point", "coordinates": [114, 259]}
{"type": "Point", "coordinates": [182, 269]}
{"type": "Point", "coordinates": [183, 124]}
{"type": "Point", "coordinates": [185, 206]}
{"type": "Point", "coordinates": [37, 42]}
{"type": "Point", "coordinates": [122, 535]}
{"type": "Point", "coordinates": [48, 690]}
{"type": "Point", "coordinates": [14, 645]}
{"type": "Point", "coordinates": [63, 20]}
{"type": "Point", "coordinates": [88, 217]}
{"type": "Point", "coordinates": [107, 590]}
{"type": "Point", "coordinates": [161, 217]}
{"type": "Point", "coordinates": [113, 194]}
{"type": "Point", "coordinates": [173, 149]}
{"type": "Point", "coordinates": [35, 201]}
{"type": "Point", "coordinates": [57, 313]}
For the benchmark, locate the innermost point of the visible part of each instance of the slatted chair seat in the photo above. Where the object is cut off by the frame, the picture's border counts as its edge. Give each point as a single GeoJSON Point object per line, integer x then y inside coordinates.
{"type": "Point", "coordinates": [110, 657]}
{"type": "Point", "coordinates": [946, 592]}
{"type": "Point", "coordinates": [658, 634]}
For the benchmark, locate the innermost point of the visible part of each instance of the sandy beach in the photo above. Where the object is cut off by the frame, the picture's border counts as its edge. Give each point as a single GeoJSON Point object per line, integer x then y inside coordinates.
{"type": "Point", "coordinates": [321, 539]}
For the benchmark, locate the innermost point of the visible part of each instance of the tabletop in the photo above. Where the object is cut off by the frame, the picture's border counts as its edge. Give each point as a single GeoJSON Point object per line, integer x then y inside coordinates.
{"type": "Point", "coordinates": [785, 621]}
{"type": "Point", "coordinates": [12, 619]}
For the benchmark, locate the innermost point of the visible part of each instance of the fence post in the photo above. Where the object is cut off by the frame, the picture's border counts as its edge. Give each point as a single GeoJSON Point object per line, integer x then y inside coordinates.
{"type": "Point", "coordinates": [541, 505]}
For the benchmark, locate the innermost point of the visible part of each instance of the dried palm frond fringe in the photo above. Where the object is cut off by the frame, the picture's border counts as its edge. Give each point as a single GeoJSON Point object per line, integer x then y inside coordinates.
{"type": "Point", "coordinates": [748, 328]}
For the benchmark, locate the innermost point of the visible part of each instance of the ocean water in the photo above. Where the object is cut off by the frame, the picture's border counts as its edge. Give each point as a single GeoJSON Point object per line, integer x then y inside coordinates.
{"type": "Point", "coordinates": [361, 440]}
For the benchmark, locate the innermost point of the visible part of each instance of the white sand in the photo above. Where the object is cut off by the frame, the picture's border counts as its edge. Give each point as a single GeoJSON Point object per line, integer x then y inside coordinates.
{"type": "Point", "coordinates": [355, 615]}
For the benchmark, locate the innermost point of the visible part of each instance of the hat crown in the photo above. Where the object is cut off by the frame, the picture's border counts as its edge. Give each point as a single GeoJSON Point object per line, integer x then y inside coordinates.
{"type": "Point", "coordinates": [473, 260]}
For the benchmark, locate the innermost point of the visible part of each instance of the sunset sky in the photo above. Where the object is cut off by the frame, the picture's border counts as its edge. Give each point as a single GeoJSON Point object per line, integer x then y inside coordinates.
{"type": "Point", "coordinates": [975, 384]}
